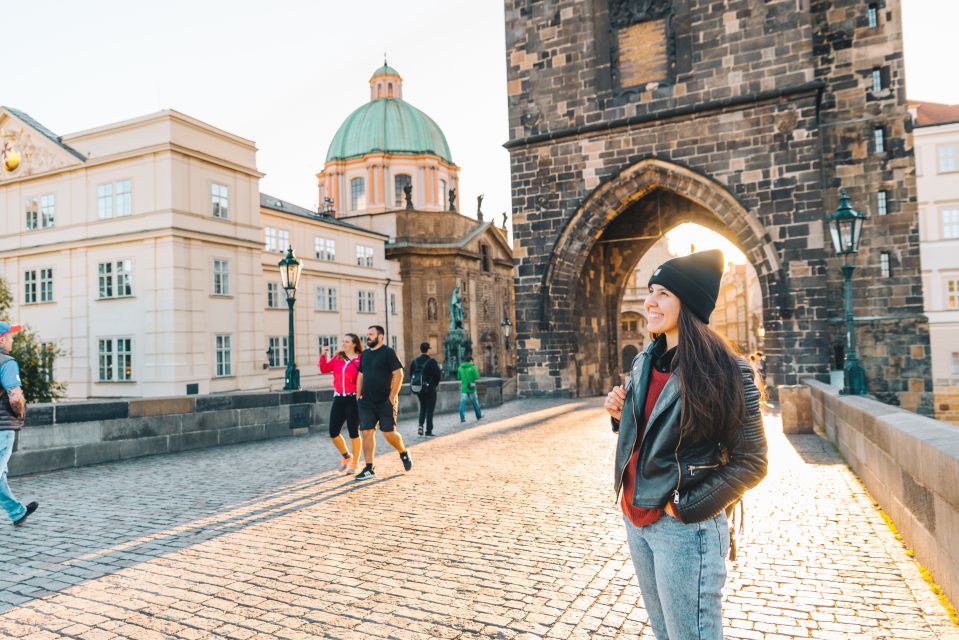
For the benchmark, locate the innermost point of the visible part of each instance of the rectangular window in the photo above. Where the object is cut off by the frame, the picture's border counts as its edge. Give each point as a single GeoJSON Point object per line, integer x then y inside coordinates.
{"type": "Point", "coordinates": [272, 295]}
{"type": "Point", "coordinates": [324, 249]}
{"type": "Point", "coordinates": [220, 200]}
{"type": "Point", "coordinates": [444, 195]}
{"type": "Point", "coordinates": [948, 158]}
{"type": "Point", "coordinates": [325, 299]}
{"type": "Point", "coordinates": [357, 194]}
{"type": "Point", "coordinates": [952, 294]}
{"type": "Point", "coordinates": [879, 139]}
{"type": "Point", "coordinates": [882, 203]}
{"type": "Point", "coordinates": [115, 359]}
{"type": "Point", "coordinates": [884, 264]}
{"type": "Point", "coordinates": [392, 304]}
{"type": "Point", "coordinates": [124, 197]}
{"type": "Point", "coordinates": [104, 201]}
{"type": "Point", "coordinates": [33, 214]}
{"type": "Point", "coordinates": [41, 212]}
{"type": "Point", "coordinates": [333, 342]}
{"type": "Point", "coordinates": [46, 285]}
{"type": "Point", "coordinates": [115, 198]}
{"type": "Point", "coordinates": [950, 223]}
{"type": "Point", "coordinates": [364, 256]}
{"type": "Point", "coordinates": [484, 258]}
{"type": "Point", "coordinates": [115, 279]}
{"type": "Point", "coordinates": [277, 351]}
{"type": "Point", "coordinates": [877, 80]}
{"type": "Point", "coordinates": [224, 356]}
{"type": "Point", "coordinates": [221, 278]}
{"type": "Point", "coordinates": [955, 363]}
{"type": "Point", "coordinates": [106, 359]}
{"type": "Point", "coordinates": [282, 240]}
{"type": "Point", "coordinates": [364, 302]}
{"type": "Point", "coordinates": [270, 244]}
{"type": "Point", "coordinates": [393, 342]}
{"type": "Point", "coordinates": [873, 15]}
{"type": "Point", "coordinates": [29, 287]}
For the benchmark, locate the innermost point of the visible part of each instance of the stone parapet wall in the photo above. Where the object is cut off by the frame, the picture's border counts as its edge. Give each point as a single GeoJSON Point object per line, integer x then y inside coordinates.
{"type": "Point", "coordinates": [910, 465]}
{"type": "Point", "coordinates": [63, 435]}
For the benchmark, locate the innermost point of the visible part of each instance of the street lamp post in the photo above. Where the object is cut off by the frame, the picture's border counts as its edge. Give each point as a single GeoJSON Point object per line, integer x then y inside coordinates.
{"type": "Point", "coordinates": [845, 227]}
{"type": "Point", "coordinates": [290, 276]}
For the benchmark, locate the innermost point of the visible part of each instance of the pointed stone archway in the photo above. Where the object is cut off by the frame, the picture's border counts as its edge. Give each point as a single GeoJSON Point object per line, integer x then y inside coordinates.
{"type": "Point", "coordinates": [595, 253]}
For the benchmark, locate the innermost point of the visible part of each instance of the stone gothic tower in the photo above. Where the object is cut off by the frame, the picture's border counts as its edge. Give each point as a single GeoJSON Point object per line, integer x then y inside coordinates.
{"type": "Point", "coordinates": [628, 118]}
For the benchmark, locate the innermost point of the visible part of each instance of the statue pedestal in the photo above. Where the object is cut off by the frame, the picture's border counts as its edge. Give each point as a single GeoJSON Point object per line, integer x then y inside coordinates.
{"type": "Point", "coordinates": [455, 349]}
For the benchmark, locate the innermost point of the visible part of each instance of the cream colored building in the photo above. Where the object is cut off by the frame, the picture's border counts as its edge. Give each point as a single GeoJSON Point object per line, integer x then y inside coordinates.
{"type": "Point", "coordinates": [139, 247]}
{"type": "Point", "coordinates": [346, 285]}
{"type": "Point", "coordinates": [936, 142]}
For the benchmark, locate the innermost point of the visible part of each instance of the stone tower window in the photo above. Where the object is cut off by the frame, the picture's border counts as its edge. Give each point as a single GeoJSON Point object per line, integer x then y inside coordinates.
{"type": "Point", "coordinates": [484, 257]}
{"type": "Point", "coordinates": [873, 14]}
{"type": "Point", "coordinates": [879, 140]}
{"type": "Point", "coordinates": [884, 264]}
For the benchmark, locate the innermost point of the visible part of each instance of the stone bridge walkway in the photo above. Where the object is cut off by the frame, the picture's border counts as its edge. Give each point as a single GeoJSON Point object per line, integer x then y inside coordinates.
{"type": "Point", "coordinates": [504, 530]}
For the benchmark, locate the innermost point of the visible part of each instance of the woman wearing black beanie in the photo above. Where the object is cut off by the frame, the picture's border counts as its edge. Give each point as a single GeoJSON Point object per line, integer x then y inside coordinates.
{"type": "Point", "coordinates": [690, 444]}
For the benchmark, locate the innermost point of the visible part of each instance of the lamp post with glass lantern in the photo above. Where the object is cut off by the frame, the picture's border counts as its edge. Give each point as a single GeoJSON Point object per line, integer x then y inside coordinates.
{"type": "Point", "coordinates": [845, 228]}
{"type": "Point", "coordinates": [290, 276]}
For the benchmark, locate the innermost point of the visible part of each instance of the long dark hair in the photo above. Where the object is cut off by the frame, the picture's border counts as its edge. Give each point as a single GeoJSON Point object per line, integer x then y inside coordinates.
{"type": "Point", "coordinates": [357, 346]}
{"type": "Point", "coordinates": [710, 382]}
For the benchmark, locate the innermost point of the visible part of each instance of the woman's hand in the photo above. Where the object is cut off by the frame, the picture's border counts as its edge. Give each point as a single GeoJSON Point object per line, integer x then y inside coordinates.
{"type": "Point", "coordinates": [615, 400]}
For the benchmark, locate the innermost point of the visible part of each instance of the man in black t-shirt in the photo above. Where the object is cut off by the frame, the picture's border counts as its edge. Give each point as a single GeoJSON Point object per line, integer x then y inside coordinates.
{"type": "Point", "coordinates": [377, 389]}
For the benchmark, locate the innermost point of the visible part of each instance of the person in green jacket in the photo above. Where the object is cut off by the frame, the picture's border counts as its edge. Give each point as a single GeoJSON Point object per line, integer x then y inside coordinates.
{"type": "Point", "coordinates": [468, 375]}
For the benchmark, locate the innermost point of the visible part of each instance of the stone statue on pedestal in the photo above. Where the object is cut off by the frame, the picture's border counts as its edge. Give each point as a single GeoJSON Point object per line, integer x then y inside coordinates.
{"type": "Point", "coordinates": [456, 346]}
{"type": "Point", "coordinates": [408, 192]}
{"type": "Point", "coordinates": [453, 199]}
{"type": "Point", "coordinates": [479, 207]}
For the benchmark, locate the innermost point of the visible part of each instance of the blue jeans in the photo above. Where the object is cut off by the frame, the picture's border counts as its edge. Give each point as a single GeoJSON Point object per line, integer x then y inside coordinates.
{"type": "Point", "coordinates": [681, 570]}
{"type": "Point", "coordinates": [11, 505]}
{"type": "Point", "coordinates": [472, 398]}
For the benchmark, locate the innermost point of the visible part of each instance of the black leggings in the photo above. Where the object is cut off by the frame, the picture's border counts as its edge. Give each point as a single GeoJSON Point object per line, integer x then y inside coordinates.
{"type": "Point", "coordinates": [344, 410]}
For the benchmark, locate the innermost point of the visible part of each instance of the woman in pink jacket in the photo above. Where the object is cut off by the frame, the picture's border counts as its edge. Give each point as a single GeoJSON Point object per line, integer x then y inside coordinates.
{"type": "Point", "coordinates": [344, 366]}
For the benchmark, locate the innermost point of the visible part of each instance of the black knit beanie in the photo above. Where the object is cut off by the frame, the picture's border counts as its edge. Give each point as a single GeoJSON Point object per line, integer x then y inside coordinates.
{"type": "Point", "coordinates": [694, 279]}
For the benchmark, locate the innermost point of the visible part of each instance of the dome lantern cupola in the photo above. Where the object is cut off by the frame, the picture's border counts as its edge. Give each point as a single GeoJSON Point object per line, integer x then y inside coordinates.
{"type": "Point", "coordinates": [385, 149]}
{"type": "Point", "coordinates": [386, 83]}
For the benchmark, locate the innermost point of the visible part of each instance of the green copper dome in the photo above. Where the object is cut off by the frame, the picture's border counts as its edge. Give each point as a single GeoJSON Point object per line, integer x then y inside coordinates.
{"type": "Point", "coordinates": [388, 125]}
{"type": "Point", "coordinates": [386, 70]}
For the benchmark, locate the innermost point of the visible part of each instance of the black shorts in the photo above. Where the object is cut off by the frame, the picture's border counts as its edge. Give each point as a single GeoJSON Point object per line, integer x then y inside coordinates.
{"type": "Point", "coordinates": [344, 410]}
{"type": "Point", "coordinates": [372, 413]}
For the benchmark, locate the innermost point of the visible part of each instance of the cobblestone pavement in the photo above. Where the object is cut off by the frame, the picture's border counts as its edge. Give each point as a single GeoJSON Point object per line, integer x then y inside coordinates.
{"type": "Point", "coordinates": [507, 529]}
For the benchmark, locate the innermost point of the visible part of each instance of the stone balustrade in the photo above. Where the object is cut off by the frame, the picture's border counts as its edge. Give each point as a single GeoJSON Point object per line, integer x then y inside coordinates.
{"type": "Point", "coordinates": [910, 465]}
{"type": "Point", "coordinates": [73, 434]}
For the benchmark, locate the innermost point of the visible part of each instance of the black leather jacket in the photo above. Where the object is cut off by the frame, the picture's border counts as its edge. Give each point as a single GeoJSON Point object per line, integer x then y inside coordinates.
{"type": "Point", "coordinates": [693, 476]}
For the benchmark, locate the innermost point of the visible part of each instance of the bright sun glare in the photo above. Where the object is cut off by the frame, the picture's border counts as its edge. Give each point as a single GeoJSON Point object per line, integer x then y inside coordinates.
{"type": "Point", "coordinates": [689, 237]}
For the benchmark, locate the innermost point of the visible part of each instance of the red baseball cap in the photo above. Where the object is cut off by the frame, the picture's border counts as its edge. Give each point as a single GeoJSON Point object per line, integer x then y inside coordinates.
{"type": "Point", "coordinates": [6, 327]}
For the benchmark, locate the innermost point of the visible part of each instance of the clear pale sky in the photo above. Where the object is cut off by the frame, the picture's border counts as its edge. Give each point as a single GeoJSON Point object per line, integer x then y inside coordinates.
{"type": "Point", "coordinates": [286, 73]}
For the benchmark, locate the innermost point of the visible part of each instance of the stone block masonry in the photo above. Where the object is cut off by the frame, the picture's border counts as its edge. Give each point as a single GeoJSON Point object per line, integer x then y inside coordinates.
{"type": "Point", "coordinates": [760, 113]}
{"type": "Point", "coordinates": [59, 436]}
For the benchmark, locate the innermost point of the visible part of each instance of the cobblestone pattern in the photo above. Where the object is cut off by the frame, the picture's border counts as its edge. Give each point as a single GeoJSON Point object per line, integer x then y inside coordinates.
{"type": "Point", "coordinates": [505, 530]}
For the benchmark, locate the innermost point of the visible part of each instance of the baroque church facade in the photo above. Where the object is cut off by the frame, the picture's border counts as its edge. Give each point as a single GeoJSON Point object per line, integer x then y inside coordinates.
{"type": "Point", "coordinates": [389, 169]}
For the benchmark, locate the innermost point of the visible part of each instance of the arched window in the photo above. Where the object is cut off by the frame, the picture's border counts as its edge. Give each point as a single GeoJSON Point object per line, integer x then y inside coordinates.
{"type": "Point", "coordinates": [400, 181]}
{"type": "Point", "coordinates": [444, 195]}
{"type": "Point", "coordinates": [357, 194]}
{"type": "Point", "coordinates": [389, 90]}
{"type": "Point", "coordinates": [431, 309]}
{"type": "Point", "coordinates": [484, 258]}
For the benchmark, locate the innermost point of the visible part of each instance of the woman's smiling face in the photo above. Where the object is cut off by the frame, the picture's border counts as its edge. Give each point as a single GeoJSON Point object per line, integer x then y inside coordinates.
{"type": "Point", "coordinates": [662, 309]}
